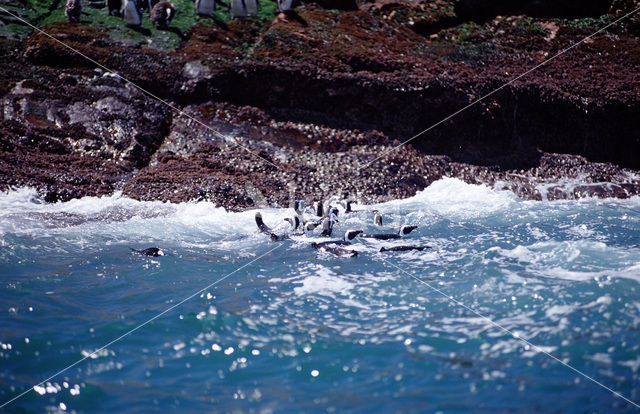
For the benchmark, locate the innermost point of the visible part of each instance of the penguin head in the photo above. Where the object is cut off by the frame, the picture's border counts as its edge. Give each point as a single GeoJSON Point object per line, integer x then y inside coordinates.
{"type": "Point", "coordinates": [404, 230]}
{"type": "Point", "coordinates": [351, 234]}
{"type": "Point", "coordinates": [259, 218]}
{"type": "Point", "coordinates": [309, 226]}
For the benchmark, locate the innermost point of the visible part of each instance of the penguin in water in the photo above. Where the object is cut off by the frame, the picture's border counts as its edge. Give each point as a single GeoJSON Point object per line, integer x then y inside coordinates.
{"type": "Point", "coordinates": [113, 7]}
{"type": "Point", "coordinates": [267, 230]}
{"type": "Point", "coordinates": [349, 235]}
{"type": "Point", "coordinates": [403, 248]}
{"type": "Point", "coordinates": [331, 246]}
{"type": "Point", "coordinates": [244, 8]}
{"type": "Point", "coordinates": [131, 13]}
{"type": "Point", "coordinates": [377, 219]}
{"type": "Point", "coordinates": [404, 230]}
{"type": "Point", "coordinates": [161, 15]}
{"type": "Point", "coordinates": [150, 251]}
{"type": "Point", "coordinates": [207, 7]}
{"type": "Point", "coordinates": [72, 10]}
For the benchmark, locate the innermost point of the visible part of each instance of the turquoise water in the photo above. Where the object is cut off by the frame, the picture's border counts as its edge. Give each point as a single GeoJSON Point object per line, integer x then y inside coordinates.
{"type": "Point", "coordinates": [303, 331]}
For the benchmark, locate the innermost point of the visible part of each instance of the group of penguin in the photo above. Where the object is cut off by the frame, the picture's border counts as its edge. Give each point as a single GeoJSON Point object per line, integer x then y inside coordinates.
{"type": "Point", "coordinates": [307, 221]}
{"type": "Point", "coordinates": [161, 12]}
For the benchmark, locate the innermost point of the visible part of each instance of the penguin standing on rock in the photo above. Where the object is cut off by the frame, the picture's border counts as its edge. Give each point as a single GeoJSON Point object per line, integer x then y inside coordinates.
{"type": "Point", "coordinates": [161, 15]}
{"type": "Point", "coordinates": [131, 13]}
{"type": "Point", "coordinates": [73, 10]}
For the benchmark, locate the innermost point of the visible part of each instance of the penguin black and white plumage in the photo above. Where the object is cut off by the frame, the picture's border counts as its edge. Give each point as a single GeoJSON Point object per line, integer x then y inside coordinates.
{"type": "Point", "coordinates": [113, 7]}
{"type": "Point", "coordinates": [377, 219]}
{"type": "Point", "coordinates": [346, 240]}
{"type": "Point", "coordinates": [267, 230]}
{"type": "Point", "coordinates": [320, 209]}
{"type": "Point", "coordinates": [331, 246]}
{"type": "Point", "coordinates": [403, 248]}
{"type": "Point", "coordinates": [327, 227]}
{"type": "Point", "coordinates": [161, 15]}
{"type": "Point", "coordinates": [72, 10]}
{"type": "Point", "coordinates": [244, 8]}
{"type": "Point", "coordinates": [150, 251]}
{"type": "Point", "coordinates": [404, 230]}
{"type": "Point", "coordinates": [294, 222]}
{"type": "Point", "coordinates": [131, 13]}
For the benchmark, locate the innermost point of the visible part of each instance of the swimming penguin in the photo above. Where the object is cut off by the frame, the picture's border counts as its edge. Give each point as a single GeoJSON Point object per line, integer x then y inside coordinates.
{"type": "Point", "coordinates": [403, 248]}
{"type": "Point", "coordinates": [404, 230]}
{"type": "Point", "coordinates": [244, 8]}
{"type": "Point", "coordinates": [151, 251]}
{"type": "Point", "coordinates": [346, 240]}
{"type": "Point", "coordinates": [131, 13]}
{"type": "Point", "coordinates": [161, 15]}
{"type": "Point", "coordinates": [338, 251]}
{"type": "Point", "coordinates": [377, 219]}
{"type": "Point", "coordinates": [267, 230]}
{"type": "Point", "coordinates": [73, 10]}
{"type": "Point", "coordinates": [113, 7]}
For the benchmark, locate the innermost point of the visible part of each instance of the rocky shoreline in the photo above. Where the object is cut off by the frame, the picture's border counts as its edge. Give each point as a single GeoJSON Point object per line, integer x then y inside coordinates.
{"type": "Point", "coordinates": [298, 106]}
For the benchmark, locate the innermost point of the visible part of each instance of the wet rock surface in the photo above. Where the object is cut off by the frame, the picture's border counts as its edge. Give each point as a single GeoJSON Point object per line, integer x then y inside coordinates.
{"type": "Point", "coordinates": [317, 103]}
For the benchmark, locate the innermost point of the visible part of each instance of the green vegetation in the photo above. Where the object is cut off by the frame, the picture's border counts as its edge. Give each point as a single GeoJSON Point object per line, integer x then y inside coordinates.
{"type": "Point", "coordinates": [591, 23]}
{"type": "Point", "coordinates": [42, 12]}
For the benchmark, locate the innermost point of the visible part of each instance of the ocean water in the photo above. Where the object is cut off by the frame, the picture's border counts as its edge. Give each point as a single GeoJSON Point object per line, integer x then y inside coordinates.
{"type": "Point", "coordinates": [298, 330]}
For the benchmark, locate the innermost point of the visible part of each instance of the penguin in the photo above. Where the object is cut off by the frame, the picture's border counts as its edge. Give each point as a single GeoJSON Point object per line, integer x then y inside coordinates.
{"type": "Point", "coordinates": [73, 10]}
{"type": "Point", "coordinates": [113, 7]}
{"type": "Point", "coordinates": [403, 248]}
{"type": "Point", "coordinates": [377, 219]}
{"type": "Point", "coordinates": [207, 7]}
{"type": "Point", "coordinates": [346, 204]}
{"type": "Point", "coordinates": [161, 15]}
{"type": "Point", "coordinates": [320, 209]}
{"type": "Point", "coordinates": [346, 240]}
{"type": "Point", "coordinates": [327, 227]}
{"type": "Point", "coordinates": [338, 251]}
{"type": "Point", "coordinates": [267, 230]}
{"type": "Point", "coordinates": [131, 13]}
{"type": "Point", "coordinates": [151, 251]}
{"type": "Point", "coordinates": [146, 5]}
{"type": "Point", "coordinates": [404, 230]}
{"type": "Point", "coordinates": [244, 8]}
{"type": "Point", "coordinates": [286, 5]}
{"type": "Point", "coordinates": [294, 222]}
